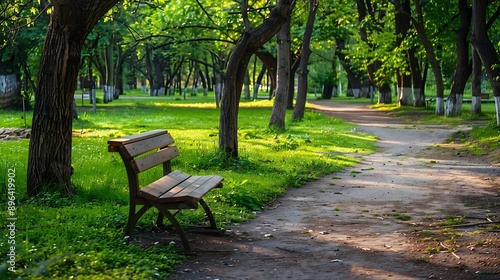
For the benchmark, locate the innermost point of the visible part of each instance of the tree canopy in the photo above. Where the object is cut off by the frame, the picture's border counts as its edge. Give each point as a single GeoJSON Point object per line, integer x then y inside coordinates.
{"type": "Point", "coordinates": [178, 47]}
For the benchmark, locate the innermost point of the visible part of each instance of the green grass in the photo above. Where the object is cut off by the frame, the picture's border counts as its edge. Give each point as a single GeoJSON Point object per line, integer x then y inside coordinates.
{"type": "Point", "coordinates": [402, 217]}
{"type": "Point", "coordinates": [81, 236]}
{"type": "Point", "coordinates": [483, 138]}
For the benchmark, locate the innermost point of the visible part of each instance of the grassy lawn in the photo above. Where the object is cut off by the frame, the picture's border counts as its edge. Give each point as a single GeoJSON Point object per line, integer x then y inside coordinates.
{"type": "Point", "coordinates": [81, 237]}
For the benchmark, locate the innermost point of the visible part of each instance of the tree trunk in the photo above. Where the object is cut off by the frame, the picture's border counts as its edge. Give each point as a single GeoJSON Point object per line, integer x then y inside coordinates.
{"type": "Point", "coordinates": [405, 97]}
{"type": "Point", "coordinates": [258, 82]}
{"type": "Point", "coordinates": [384, 94]}
{"type": "Point", "coordinates": [278, 114]}
{"type": "Point", "coordinates": [476, 83]}
{"type": "Point", "coordinates": [49, 159]}
{"type": "Point", "coordinates": [158, 88]}
{"type": "Point", "coordinates": [303, 72]}
{"type": "Point", "coordinates": [190, 71]}
{"type": "Point", "coordinates": [247, 45]}
{"type": "Point", "coordinates": [149, 70]}
{"type": "Point", "coordinates": [431, 56]}
{"type": "Point", "coordinates": [353, 77]}
{"type": "Point", "coordinates": [270, 63]}
{"type": "Point", "coordinates": [418, 87]}
{"type": "Point", "coordinates": [486, 50]}
{"type": "Point", "coordinates": [203, 82]}
{"type": "Point", "coordinates": [327, 91]}
{"type": "Point", "coordinates": [246, 83]}
{"type": "Point", "coordinates": [109, 88]}
{"type": "Point", "coordinates": [463, 68]}
{"type": "Point", "coordinates": [218, 78]}
{"type": "Point", "coordinates": [119, 74]}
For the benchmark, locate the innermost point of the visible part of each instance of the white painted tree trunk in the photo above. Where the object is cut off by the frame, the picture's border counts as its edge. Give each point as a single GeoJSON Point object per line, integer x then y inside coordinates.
{"type": "Point", "coordinates": [8, 89]}
{"type": "Point", "coordinates": [356, 92]}
{"type": "Point", "coordinates": [8, 83]}
{"type": "Point", "coordinates": [454, 108]}
{"type": "Point", "coordinates": [108, 93]}
{"type": "Point", "coordinates": [218, 91]}
{"type": "Point", "coordinates": [439, 106]}
{"type": "Point", "coordinates": [418, 98]}
{"type": "Point", "coordinates": [256, 90]}
{"type": "Point", "coordinates": [405, 96]}
{"type": "Point", "coordinates": [476, 105]}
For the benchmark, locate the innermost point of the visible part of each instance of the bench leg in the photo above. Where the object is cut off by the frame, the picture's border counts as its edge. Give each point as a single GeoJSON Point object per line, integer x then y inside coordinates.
{"type": "Point", "coordinates": [133, 217]}
{"type": "Point", "coordinates": [177, 226]}
{"type": "Point", "coordinates": [209, 214]}
{"type": "Point", "coordinates": [159, 220]}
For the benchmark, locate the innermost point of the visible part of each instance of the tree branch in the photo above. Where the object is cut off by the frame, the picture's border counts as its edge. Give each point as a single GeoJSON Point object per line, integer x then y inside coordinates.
{"type": "Point", "coordinates": [205, 12]}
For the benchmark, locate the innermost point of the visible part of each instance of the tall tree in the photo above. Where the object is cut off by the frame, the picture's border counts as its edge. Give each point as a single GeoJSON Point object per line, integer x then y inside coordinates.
{"type": "Point", "coordinates": [463, 67]}
{"type": "Point", "coordinates": [248, 44]}
{"type": "Point", "coordinates": [419, 24]}
{"type": "Point", "coordinates": [476, 83]}
{"type": "Point", "coordinates": [486, 50]}
{"type": "Point", "coordinates": [403, 77]}
{"type": "Point", "coordinates": [372, 17]}
{"type": "Point", "coordinates": [300, 104]}
{"type": "Point", "coordinates": [49, 159]}
{"type": "Point", "coordinates": [283, 78]}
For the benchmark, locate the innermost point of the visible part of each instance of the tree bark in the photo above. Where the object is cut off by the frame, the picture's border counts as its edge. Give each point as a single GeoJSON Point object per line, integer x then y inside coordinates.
{"type": "Point", "coordinates": [49, 159]}
{"type": "Point", "coordinates": [258, 82]}
{"type": "Point", "coordinates": [353, 77]}
{"type": "Point", "coordinates": [463, 67]}
{"type": "Point", "coordinates": [418, 85]}
{"type": "Point", "coordinates": [109, 88]}
{"type": "Point", "coordinates": [365, 9]}
{"type": "Point", "coordinates": [270, 63]}
{"type": "Point", "coordinates": [486, 50]}
{"type": "Point", "coordinates": [476, 83]}
{"type": "Point", "coordinates": [278, 114]}
{"type": "Point", "coordinates": [118, 82]}
{"type": "Point", "coordinates": [294, 62]}
{"type": "Point", "coordinates": [384, 94]}
{"type": "Point", "coordinates": [149, 70]}
{"type": "Point", "coordinates": [158, 88]}
{"type": "Point", "coordinates": [300, 104]}
{"type": "Point", "coordinates": [405, 97]}
{"type": "Point", "coordinates": [431, 56]}
{"type": "Point", "coordinates": [247, 45]}
{"type": "Point", "coordinates": [246, 83]}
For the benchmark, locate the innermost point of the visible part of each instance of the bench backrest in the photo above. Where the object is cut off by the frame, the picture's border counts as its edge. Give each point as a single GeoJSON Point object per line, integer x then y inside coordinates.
{"type": "Point", "coordinates": [143, 151]}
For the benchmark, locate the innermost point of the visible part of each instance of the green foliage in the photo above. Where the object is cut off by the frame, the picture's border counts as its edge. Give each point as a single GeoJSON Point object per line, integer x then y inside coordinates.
{"type": "Point", "coordinates": [402, 217]}
{"type": "Point", "coordinates": [452, 220]}
{"type": "Point", "coordinates": [83, 240]}
{"type": "Point", "coordinates": [487, 137]}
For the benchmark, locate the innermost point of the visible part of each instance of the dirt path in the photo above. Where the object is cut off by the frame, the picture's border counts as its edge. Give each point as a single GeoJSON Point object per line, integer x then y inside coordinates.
{"type": "Point", "coordinates": [377, 220]}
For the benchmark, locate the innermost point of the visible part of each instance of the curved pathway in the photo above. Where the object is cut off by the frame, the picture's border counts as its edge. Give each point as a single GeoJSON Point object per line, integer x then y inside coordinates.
{"type": "Point", "coordinates": [343, 226]}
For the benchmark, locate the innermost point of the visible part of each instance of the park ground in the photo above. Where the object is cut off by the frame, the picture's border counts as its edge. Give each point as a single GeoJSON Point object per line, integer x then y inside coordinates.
{"type": "Point", "coordinates": [420, 208]}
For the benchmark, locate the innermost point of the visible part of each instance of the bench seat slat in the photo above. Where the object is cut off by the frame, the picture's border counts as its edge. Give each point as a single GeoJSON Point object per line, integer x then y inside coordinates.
{"type": "Point", "coordinates": [114, 145]}
{"type": "Point", "coordinates": [138, 148]}
{"type": "Point", "coordinates": [192, 189]}
{"type": "Point", "coordinates": [162, 185]}
{"type": "Point", "coordinates": [152, 160]}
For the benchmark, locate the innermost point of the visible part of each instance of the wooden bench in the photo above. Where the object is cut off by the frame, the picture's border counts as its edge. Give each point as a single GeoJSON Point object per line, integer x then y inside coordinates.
{"type": "Point", "coordinates": [175, 191]}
